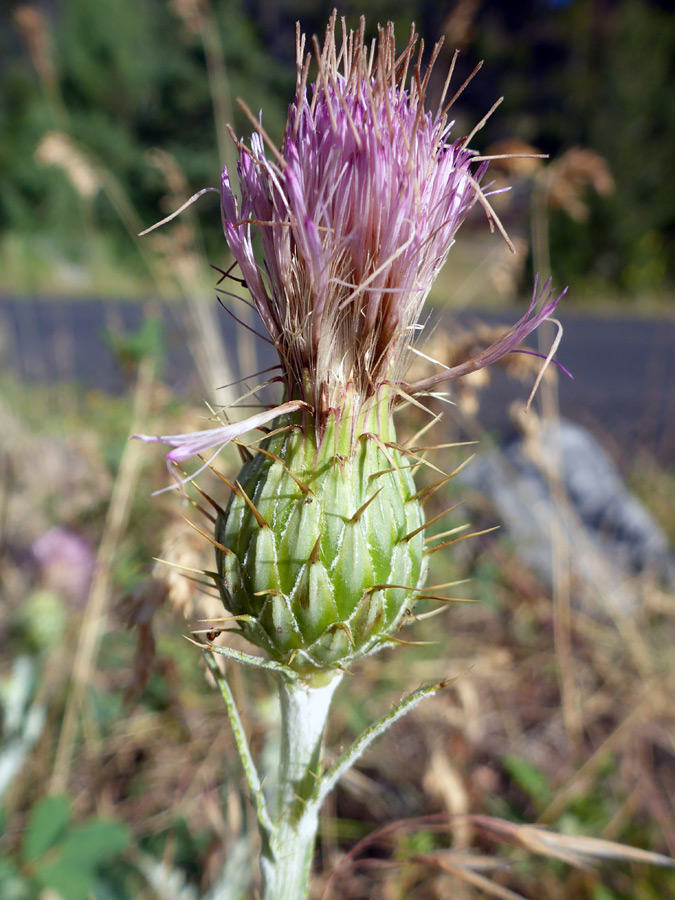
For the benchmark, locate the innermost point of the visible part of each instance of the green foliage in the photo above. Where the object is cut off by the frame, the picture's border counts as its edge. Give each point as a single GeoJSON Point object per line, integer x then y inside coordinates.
{"type": "Point", "coordinates": [529, 778]}
{"type": "Point", "coordinates": [46, 824]}
{"type": "Point", "coordinates": [41, 619]}
{"type": "Point", "coordinates": [58, 855]}
{"type": "Point", "coordinates": [595, 76]}
{"type": "Point", "coordinates": [107, 708]}
{"type": "Point", "coordinates": [600, 892]}
{"type": "Point", "coordinates": [634, 127]}
{"type": "Point", "coordinates": [126, 81]}
{"type": "Point", "coordinates": [416, 842]}
{"type": "Point", "coordinates": [132, 347]}
{"type": "Point", "coordinates": [139, 77]}
{"type": "Point", "coordinates": [11, 883]}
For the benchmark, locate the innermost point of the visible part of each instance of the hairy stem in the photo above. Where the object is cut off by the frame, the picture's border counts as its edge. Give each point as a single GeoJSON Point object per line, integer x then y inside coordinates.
{"type": "Point", "coordinates": [286, 863]}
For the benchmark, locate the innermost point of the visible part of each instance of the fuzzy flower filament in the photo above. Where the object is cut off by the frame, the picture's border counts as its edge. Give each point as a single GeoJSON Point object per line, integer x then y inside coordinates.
{"type": "Point", "coordinates": [356, 214]}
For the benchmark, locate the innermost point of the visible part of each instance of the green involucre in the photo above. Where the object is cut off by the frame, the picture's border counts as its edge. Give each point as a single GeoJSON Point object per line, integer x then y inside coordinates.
{"type": "Point", "coordinates": [323, 580]}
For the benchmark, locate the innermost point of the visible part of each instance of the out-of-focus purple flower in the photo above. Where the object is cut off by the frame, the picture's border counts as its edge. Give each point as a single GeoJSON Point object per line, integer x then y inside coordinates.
{"type": "Point", "coordinates": [66, 563]}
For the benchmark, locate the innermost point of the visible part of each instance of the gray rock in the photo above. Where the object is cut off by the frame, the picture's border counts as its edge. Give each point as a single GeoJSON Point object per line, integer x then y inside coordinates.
{"type": "Point", "coordinates": [561, 500]}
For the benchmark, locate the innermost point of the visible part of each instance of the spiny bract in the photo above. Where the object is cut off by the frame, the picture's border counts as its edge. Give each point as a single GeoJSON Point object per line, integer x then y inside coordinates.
{"type": "Point", "coordinates": [324, 545]}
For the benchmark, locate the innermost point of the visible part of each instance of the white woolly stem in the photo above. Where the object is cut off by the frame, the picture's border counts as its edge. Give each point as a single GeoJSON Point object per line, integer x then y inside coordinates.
{"type": "Point", "coordinates": [288, 836]}
{"type": "Point", "coordinates": [286, 863]}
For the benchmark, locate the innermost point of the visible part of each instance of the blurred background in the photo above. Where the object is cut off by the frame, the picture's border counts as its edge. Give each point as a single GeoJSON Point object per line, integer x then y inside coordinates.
{"type": "Point", "coordinates": [118, 777]}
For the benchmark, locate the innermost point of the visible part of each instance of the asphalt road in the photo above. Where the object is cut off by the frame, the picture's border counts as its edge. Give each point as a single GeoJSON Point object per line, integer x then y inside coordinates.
{"type": "Point", "coordinates": [624, 368]}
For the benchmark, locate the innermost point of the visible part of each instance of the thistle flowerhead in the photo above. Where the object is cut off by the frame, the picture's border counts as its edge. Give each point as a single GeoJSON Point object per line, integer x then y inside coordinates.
{"type": "Point", "coordinates": [356, 213]}
{"type": "Point", "coordinates": [339, 234]}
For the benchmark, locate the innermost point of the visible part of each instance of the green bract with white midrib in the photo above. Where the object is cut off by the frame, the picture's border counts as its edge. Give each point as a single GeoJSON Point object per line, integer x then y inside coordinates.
{"type": "Point", "coordinates": [331, 559]}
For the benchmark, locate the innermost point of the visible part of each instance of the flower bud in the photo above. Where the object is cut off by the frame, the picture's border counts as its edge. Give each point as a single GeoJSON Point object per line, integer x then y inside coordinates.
{"type": "Point", "coordinates": [322, 546]}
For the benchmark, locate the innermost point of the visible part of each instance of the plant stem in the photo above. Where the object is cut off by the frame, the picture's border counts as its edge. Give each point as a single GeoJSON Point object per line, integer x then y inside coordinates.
{"type": "Point", "coordinates": [286, 864]}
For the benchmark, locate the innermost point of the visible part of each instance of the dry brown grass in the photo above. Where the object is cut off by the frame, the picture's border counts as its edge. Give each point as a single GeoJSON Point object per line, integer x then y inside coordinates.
{"type": "Point", "coordinates": [554, 717]}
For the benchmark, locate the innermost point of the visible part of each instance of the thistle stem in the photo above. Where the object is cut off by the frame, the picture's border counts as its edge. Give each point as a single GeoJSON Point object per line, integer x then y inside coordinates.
{"type": "Point", "coordinates": [286, 863]}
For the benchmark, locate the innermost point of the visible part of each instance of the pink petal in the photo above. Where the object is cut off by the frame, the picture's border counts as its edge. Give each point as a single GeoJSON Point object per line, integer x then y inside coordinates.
{"type": "Point", "coordinates": [196, 442]}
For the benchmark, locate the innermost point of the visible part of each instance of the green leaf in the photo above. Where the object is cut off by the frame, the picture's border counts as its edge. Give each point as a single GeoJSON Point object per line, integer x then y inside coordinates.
{"type": "Point", "coordinates": [85, 846]}
{"type": "Point", "coordinates": [46, 823]}
{"type": "Point", "coordinates": [600, 892]}
{"type": "Point", "coordinates": [528, 777]}
{"type": "Point", "coordinates": [12, 885]}
{"type": "Point", "coordinates": [71, 882]}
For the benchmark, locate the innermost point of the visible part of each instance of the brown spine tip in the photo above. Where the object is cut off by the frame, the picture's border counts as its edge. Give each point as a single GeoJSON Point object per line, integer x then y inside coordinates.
{"type": "Point", "coordinates": [429, 550]}
{"type": "Point", "coordinates": [213, 503]}
{"type": "Point", "coordinates": [305, 488]}
{"type": "Point", "coordinates": [232, 487]}
{"type": "Point", "coordinates": [412, 534]}
{"type": "Point", "coordinates": [314, 555]}
{"type": "Point", "coordinates": [208, 537]}
{"type": "Point", "coordinates": [342, 626]}
{"type": "Point", "coordinates": [251, 505]}
{"type": "Point", "coordinates": [360, 511]}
